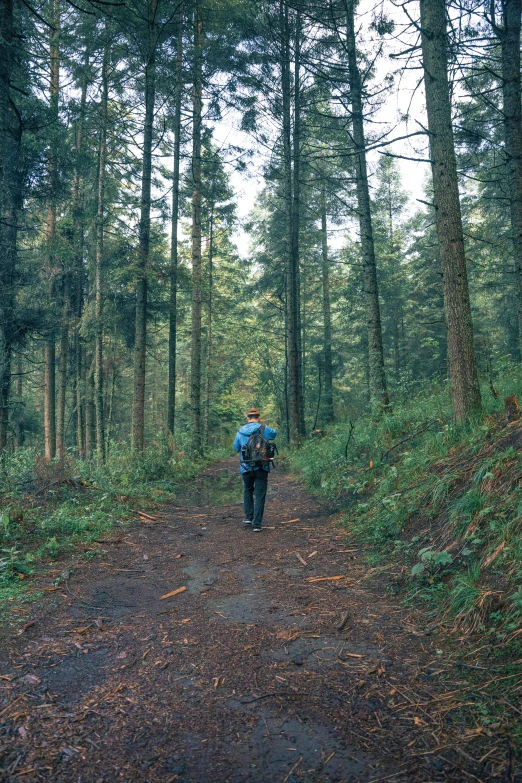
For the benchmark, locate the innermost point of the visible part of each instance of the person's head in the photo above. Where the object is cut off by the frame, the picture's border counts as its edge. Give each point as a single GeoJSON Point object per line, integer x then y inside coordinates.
{"type": "Point", "coordinates": [253, 414]}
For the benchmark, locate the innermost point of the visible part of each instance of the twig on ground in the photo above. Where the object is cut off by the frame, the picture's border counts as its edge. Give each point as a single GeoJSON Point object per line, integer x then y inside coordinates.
{"type": "Point", "coordinates": [293, 768]}
{"type": "Point", "coordinates": [273, 693]}
{"type": "Point", "coordinates": [344, 620]}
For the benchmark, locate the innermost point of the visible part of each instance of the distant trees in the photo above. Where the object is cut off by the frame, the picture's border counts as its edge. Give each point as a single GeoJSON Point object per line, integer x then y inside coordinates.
{"type": "Point", "coordinates": [125, 311]}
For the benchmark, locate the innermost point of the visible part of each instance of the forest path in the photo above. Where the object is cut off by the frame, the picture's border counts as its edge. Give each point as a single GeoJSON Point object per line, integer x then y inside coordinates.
{"type": "Point", "coordinates": [247, 675]}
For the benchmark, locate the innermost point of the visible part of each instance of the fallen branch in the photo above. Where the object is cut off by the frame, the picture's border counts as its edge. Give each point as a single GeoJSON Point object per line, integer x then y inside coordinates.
{"type": "Point", "coordinates": [350, 436]}
{"type": "Point", "coordinates": [173, 592]}
{"type": "Point", "coordinates": [410, 437]}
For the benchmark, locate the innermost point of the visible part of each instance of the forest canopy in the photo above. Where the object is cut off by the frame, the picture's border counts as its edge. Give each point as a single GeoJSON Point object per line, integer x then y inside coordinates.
{"type": "Point", "coordinates": [310, 206]}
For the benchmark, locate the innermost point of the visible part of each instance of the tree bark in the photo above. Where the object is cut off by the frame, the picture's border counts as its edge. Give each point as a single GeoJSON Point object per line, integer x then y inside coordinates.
{"type": "Point", "coordinates": [327, 315]}
{"type": "Point", "coordinates": [98, 272]}
{"type": "Point", "coordinates": [379, 399]}
{"type": "Point", "coordinates": [140, 344]}
{"type": "Point", "coordinates": [292, 249]}
{"type": "Point", "coordinates": [209, 371]}
{"type": "Point", "coordinates": [110, 406]}
{"type": "Point", "coordinates": [195, 369]}
{"type": "Point", "coordinates": [61, 398]}
{"type": "Point", "coordinates": [52, 167]}
{"type": "Point", "coordinates": [509, 35]}
{"type": "Point", "coordinates": [465, 389]}
{"type": "Point", "coordinates": [79, 271]}
{"type": "Point", "coordinates": [9, 198]}
{"type": "Point", "coordinates": [90, 412]}
{"type": "Point", "coordinates": [296, 221]}
{"type": "Point", "coordinates": [173, 305]}
{"type": "Point", "coordinates": [19, 430]}
{"type": "Point", "coordinates": [49, 397]}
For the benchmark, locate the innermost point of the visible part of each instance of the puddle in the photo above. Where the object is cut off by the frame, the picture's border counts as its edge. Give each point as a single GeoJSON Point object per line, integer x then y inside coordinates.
{"type": "Point", "coordinates": [217, 489]}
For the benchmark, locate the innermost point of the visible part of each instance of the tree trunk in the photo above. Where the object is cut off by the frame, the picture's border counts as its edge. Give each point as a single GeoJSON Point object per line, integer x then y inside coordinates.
{"type": "Point", "coordinates": [296, 218]}
{"type": "Point", "coordinates": [98, 282]}
{"type": "Point", "coordinates": [327, 316]}
{"type": "Point", "coordinates": [195, 369]}
{"type": "Point", "coordinates": [379, 399]}
{"type": "Point", "coordinates": [62, 371]}
{"type": "Point", "coordinates": [461, 353]}
{"type": "Point", "coordinates": [90, 413]}
{"type": "Point", "coordinates": [110, 406]}
{"type": "Point", "coordinates": [77, 214]}
{"type": "Point", "coordinates": [9, 200]}
{"type": "Point", "coordinates": [19, 431]}
{"type": "Point", "coordinates": [49, 398]}
{"type": "Point", "coordinates": [140, 345]}
{"type": "Point", "coordinates": [50, 343]}
{"type": "Point", "coordinates": [509, 35]}
{"type": "Point", "coordinates": [292, 319]}
{"type": "Point", "coordinates": [173, 306]}
{"type": "Point", "coordinates": [396, 343]}
{"type": "Point", "coordinates": [209, 379]}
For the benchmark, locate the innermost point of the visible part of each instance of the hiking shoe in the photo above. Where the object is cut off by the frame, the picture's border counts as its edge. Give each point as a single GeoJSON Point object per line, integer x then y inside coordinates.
{"type": "Point", "coordinates": [256, 528]}
{"type": "Point", "coordinates": [247, 522]}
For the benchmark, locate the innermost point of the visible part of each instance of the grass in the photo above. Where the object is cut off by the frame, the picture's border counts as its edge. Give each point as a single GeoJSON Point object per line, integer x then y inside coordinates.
{"type": "Point", "coordinates": [444, 500]}
{"type": "Point", "coordinates": [52, 510]}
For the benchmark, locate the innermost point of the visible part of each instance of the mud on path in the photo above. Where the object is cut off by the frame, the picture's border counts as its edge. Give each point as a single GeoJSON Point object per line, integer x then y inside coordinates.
{"type": "Point", "coordinates": [254, 673]}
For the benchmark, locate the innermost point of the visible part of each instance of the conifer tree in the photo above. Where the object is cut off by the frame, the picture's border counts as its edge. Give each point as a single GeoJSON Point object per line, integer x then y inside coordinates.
{"type": "Point", "coordinates": [461, 351]}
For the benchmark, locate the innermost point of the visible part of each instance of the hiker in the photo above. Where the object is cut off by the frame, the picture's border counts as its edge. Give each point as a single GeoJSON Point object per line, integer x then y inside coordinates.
{"type": "Point", "coordinates": [255, 455]}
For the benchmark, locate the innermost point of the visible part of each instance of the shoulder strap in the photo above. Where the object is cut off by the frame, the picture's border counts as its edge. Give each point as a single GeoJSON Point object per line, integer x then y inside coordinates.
{"type": "Point", "coordinates": [262, 430]}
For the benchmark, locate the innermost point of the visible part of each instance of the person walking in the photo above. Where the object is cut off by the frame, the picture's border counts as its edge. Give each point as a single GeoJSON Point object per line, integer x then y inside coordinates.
{"type": "Point", "coordinates": [255, 476]}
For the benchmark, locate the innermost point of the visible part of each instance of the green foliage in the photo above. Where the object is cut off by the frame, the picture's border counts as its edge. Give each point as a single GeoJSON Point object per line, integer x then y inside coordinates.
{"type": "Point", "coordinates": [444, 500]}
{"type": "Point", "coordinates": [431, 562]}
{"type": "Point", "coordinates": [4, 519]}
{"type": "Point", "coordinates": [84, 502]}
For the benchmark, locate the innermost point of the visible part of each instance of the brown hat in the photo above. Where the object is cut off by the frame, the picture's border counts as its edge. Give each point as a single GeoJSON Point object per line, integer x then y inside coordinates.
{"type": "Point", "coordinates": [251, 412]}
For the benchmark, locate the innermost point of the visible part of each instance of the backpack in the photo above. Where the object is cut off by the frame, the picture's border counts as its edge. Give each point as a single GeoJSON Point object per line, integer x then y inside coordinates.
{"type": "Point", "coordinates": [258, 450]}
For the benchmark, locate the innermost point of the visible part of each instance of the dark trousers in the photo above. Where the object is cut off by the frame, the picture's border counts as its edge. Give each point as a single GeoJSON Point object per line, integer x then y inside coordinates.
{"type": "Point", "coordinates": [255, 483]}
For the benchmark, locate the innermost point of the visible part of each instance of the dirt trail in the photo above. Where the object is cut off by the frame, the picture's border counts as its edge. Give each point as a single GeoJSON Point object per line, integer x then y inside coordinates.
{"type": "Point", "coordinates": [253, 673]}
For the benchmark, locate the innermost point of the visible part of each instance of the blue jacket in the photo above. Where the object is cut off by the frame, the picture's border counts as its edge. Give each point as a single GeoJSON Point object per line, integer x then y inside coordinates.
{"type": "Point", "coordinates": [242, 437]}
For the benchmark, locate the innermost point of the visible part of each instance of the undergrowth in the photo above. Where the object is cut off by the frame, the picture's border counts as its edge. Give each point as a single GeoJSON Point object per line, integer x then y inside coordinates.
{"type": "Point", "coordinates": [47, 510]}
{"type": "Point", "coordinates": [443, 501]}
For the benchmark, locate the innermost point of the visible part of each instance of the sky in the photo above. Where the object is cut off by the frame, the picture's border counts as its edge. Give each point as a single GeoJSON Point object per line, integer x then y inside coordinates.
{"type": "Point", "coordinates": [406, 96]}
